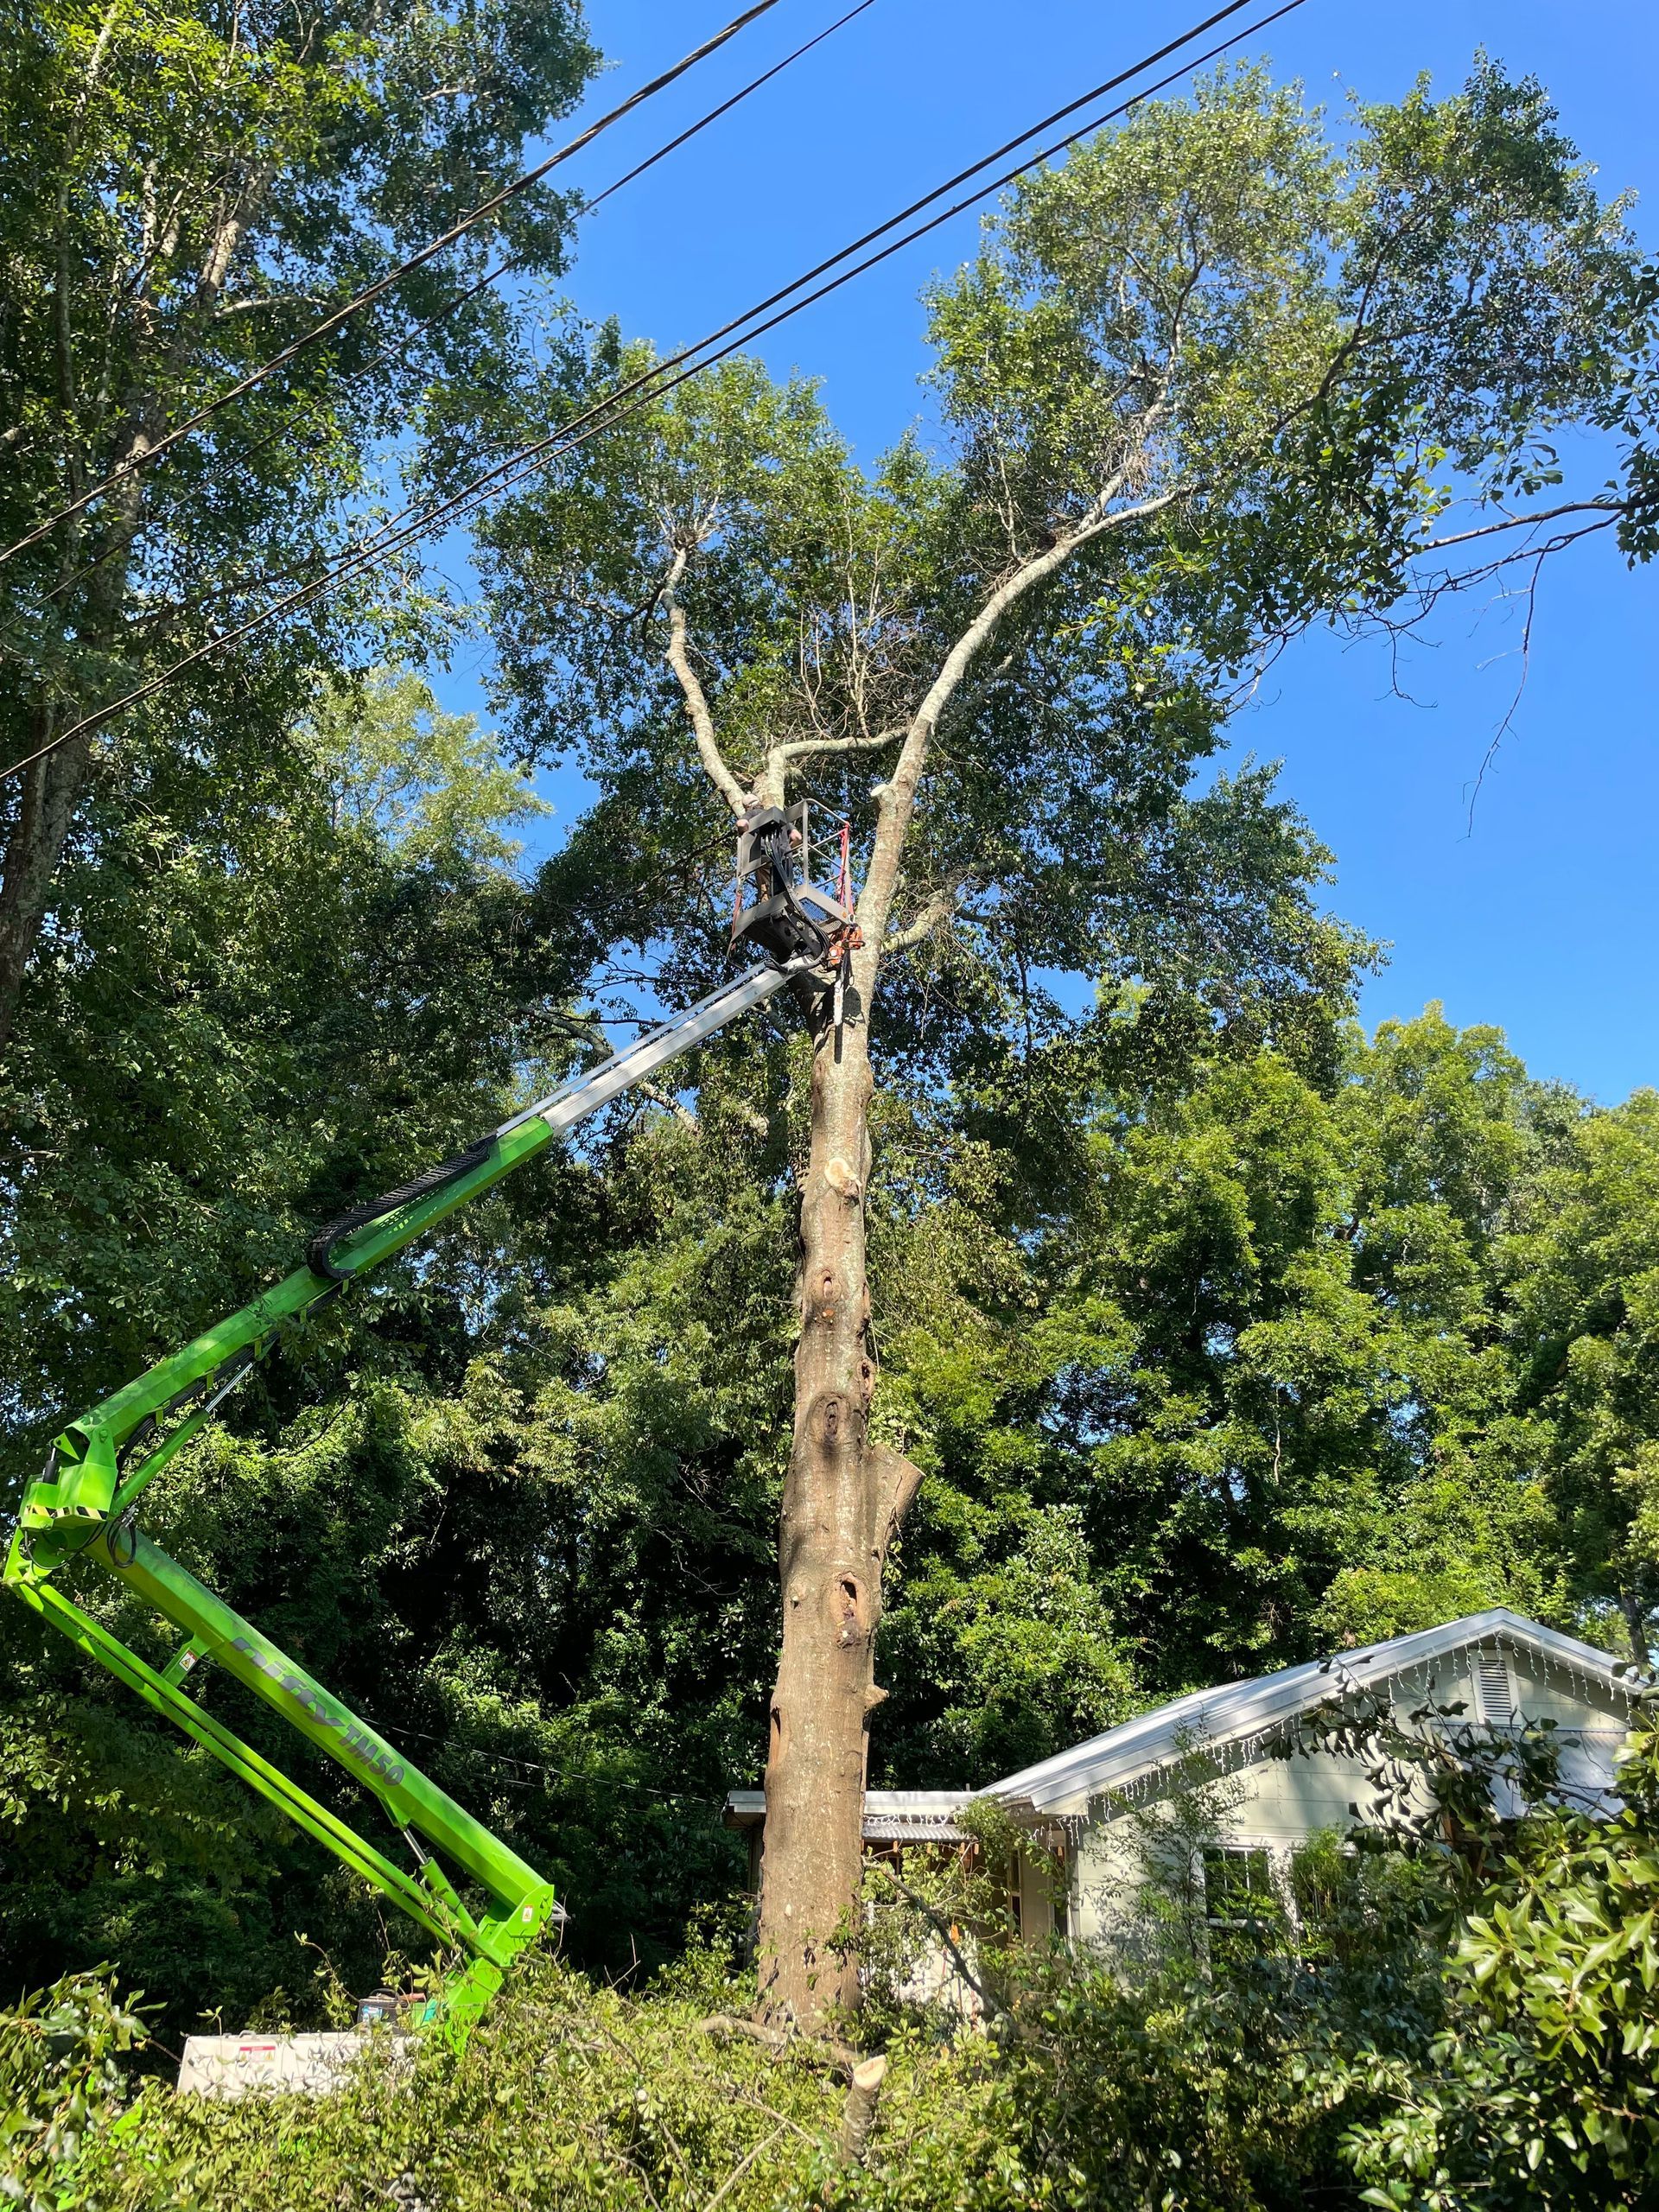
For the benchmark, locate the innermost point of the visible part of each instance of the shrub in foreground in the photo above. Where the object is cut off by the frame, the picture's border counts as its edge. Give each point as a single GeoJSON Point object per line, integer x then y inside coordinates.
{"type": "Point", "coordinates": [1442, 2032]}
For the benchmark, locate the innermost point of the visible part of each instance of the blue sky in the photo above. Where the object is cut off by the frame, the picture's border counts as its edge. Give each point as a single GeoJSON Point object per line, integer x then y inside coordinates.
{"type": "Point", "coordinates": [1541, 916]}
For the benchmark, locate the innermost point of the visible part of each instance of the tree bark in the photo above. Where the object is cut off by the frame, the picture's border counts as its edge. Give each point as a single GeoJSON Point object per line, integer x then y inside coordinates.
{"type": "Point", "coordinates": [52, 787]}
{"type": "Point", "coordinates": [51, 791]}
{"type": "Point", "coordinates": [831, 1545]}
{"type": "Point", "coordinates": [844, 1496]}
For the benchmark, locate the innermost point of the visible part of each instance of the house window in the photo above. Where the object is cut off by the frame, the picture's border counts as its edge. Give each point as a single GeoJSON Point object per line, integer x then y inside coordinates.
{"type": "Point", "coordinates": [1242, 1909]}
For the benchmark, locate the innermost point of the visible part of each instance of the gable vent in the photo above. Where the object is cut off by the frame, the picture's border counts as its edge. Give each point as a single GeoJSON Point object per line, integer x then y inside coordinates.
{"type": "Point", "coordinates": [1492, 1691]}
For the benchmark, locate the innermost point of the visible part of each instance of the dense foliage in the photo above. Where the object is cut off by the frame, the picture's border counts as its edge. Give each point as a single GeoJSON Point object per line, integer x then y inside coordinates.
{"type": "Point", "coordinates": [1221, 375]}
{"type": "Point", "coordinates": [1362, 2062]}
{"type": "Point", "coordinates": [1214, 1358]}
{"type": "Point", "coordinates": [1223, 1333]}
{"type": "Point", "coordinates": [1541, 2083]}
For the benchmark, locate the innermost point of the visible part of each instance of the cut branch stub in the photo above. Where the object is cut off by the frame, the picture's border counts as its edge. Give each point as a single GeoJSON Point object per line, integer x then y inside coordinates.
{"type": "Point", "coordinates": [858, 2117]}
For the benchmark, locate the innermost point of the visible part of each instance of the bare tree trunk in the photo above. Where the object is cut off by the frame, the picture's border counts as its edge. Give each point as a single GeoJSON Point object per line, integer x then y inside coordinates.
{"type": "Point", "coordinates": [842, 1500]}
{"type": "Point", "coordinates": [845, 1496]}
{"type": "Point", "coordinates": [51, 791]}
{"type": "Point", "coordinates": [830, 1567]}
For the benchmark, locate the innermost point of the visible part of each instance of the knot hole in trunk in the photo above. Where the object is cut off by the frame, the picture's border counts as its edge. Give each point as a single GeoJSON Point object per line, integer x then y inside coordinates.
{"type": "Point", "coordinates": [834, 1422]}
{"type": "Point", "coordinates": [847, 1608]}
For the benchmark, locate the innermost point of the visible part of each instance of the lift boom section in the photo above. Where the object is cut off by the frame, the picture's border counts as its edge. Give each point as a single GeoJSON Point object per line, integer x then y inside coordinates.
{"type": "Point", "coordinates": [85, 1505]}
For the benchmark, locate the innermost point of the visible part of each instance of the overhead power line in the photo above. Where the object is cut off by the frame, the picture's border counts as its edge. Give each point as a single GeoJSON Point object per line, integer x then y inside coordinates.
{"type": "Point", "coordinates": [516, 466]}
{"type": "Point", "coordinates": [648, 385]}
{"type": "Point", "coordinates": [355, 305]}
{"type": "Point", "coordinates": [669, 146]}
{"type": "Point", "coordinates": [586, 1775]}
{"type": "Point", "coordinates": [545, 447]}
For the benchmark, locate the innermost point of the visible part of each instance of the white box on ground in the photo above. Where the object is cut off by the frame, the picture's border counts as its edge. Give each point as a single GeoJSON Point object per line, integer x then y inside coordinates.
{"type": "Point", "coordinates": [254, 2063]}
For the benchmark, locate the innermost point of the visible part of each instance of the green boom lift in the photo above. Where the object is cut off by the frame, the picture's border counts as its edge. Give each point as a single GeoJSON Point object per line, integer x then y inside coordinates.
{"type": "Point", "coordinates": [85, 1504]}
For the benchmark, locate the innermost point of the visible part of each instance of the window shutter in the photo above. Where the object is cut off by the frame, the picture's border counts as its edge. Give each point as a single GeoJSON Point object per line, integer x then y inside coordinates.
{"type": "Point", "coordinates": [1492, 1690]}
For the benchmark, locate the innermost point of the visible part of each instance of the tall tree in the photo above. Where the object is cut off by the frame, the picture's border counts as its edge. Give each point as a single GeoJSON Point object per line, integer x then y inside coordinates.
{"type": "Point", "coordinates": [181, 195]}
{"type": "Point", "coordinates": [1197, 387]}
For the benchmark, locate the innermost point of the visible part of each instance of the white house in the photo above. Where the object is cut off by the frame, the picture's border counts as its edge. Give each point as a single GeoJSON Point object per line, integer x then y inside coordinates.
{"type": "Point", "coordinates": [1091, 1804]}
{"type": "Point", "coordinates": [1504, 1671]}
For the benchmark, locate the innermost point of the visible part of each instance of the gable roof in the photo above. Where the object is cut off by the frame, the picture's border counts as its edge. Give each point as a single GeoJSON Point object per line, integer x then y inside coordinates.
{"type": "Point", "coordinates": [1239, 1713]}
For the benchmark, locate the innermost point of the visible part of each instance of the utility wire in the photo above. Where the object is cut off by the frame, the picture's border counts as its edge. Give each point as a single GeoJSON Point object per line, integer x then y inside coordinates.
{"type": "Point", "coordinates": [670, 146]}
{"type": "Point", "coordinates": [516, 466]}
{"type": "Point", "coordinates": [561, 438]}
{"type": "Point", "coordinates": [413, 523]}
{"type": "Point", "coordinates": [355, 305]}
{"type": "Point", "coordinates": [541, 1766]}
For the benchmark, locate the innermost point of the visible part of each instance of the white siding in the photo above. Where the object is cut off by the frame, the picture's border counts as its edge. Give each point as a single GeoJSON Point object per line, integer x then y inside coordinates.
{"type": "Point", "coordinates": [1280, 1803]}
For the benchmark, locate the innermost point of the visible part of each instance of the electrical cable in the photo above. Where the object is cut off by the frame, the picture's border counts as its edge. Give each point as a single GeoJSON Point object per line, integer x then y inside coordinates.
{"type": "Point", "coordinates": [514, 469]}
{"type": "Point", "coordinates": [541, 1766]}
{"type": "Point", "coordinates": [411, 524]}
{"type": "Point", "coordinates": [659, 369]}
{"type": "Point", "coordinates": [543, 448]}
{"type": "Point", "coordinates": [355, 305]}
{"type": "Point", "coordinates": [399, 532]}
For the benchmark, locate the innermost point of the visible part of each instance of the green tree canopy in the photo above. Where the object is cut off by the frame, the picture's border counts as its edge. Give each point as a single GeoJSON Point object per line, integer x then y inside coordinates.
{"type": "Point", "coordinates": [181, 196]}
{"type": "Point", "coordinates": [1220, 1333]}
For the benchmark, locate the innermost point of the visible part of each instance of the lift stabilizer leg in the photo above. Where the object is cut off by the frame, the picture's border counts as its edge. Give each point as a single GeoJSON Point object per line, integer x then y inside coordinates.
{"type": "Point", "coordinates": [524, 1902]}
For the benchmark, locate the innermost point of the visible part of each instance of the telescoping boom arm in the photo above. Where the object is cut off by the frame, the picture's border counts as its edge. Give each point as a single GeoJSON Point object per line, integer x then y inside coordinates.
{"type": "Point", "coordinates": [85, 1504]}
